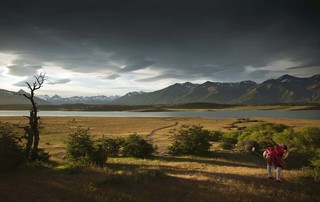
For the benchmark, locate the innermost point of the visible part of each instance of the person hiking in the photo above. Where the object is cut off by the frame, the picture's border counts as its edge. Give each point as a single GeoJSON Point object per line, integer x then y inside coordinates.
{"type": "Point", "coordinates": [274, 157]}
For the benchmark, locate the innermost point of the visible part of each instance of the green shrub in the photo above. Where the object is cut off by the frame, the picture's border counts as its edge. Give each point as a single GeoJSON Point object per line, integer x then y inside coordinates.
{"type": "Point", "coordinates": [271, 128]}
{"type": "Point", "coordinates": [11, 152]}
{"type": "Point", "coordinates": [83, 150]}
{"type": "Point", "coordinates": [192, 140]}
{"type": "Point", "coordinates": [315, 160]}
{"type": "Point", "coordinates": [230, 137]}
{"type": "Point", "coordinates": [264, 144]}
{"type": "Point", "coordinates": [99, 156]}
{"type": "Point", "coordinates": [79, 146]}
{"type": "Point", "coordinates": [262, 132]}
{"type": "Point", "coordinates": [247, 145]}
{"type": "Point", "coordinates": [308, 139]}
{"type": "Point", "coordinates": [111, 145]}
{"type": "Point", "coordinates": [136, 146]}
{"type": "Point", "coordinates": [287, 137]}
{"type": "Point", "coordinates": [215, 135]}
{"type": "Point", "coordinates": [226, 146]}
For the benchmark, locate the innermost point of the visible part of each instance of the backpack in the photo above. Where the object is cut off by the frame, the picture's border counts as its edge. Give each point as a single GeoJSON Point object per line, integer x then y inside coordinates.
{"type": "Point", "coordinates": [268, 155]}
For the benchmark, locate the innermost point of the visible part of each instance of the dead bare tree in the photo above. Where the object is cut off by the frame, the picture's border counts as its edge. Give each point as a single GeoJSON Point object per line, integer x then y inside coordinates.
{"type": "Point", "coordinates": [32, 133]}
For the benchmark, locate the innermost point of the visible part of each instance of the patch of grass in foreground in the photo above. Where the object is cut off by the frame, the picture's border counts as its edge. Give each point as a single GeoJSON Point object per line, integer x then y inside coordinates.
{"type": "Point", "coordinates": [215, 178]}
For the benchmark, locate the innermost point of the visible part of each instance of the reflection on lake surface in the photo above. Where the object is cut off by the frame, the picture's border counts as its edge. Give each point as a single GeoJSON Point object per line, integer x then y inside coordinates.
{"type": "Point", "coordinates": [299, 114]}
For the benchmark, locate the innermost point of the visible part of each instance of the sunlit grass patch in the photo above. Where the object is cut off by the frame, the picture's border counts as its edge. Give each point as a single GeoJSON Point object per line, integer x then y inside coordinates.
{"type": "Point", "coordinates": [68, 169]}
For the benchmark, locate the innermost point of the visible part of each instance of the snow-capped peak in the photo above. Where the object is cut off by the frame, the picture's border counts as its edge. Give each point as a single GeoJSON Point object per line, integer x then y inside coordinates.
{"type": "Point", "coordinates": [285, 78]}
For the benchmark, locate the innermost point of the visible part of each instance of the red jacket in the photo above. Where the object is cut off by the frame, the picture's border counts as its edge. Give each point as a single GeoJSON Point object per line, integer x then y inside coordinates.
{"type": "Point", "coordinates": [275, 155]}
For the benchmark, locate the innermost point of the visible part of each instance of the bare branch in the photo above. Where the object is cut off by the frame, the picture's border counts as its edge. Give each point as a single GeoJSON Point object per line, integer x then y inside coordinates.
{"type": "Point", "coordinates": [40, 80]}
{"type": "Point", "coordinates": [35, 85]}
{"type": "Point", "coordinates": [28, 97]}
{"type": "Point", "coordinates": [29, 86]}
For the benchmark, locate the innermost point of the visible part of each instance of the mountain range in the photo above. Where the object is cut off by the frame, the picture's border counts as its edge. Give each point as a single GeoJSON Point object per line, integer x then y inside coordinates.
{"type": "Point", "coordinates": [285, 89]}
{"type": "Point", "coordinates": [10, 97]}
{"type": "Point", "coordinates": [96, 100]}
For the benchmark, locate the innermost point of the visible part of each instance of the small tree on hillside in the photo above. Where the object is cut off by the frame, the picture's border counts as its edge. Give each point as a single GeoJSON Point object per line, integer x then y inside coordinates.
{"type": "Point", "coordinates": [32, 130]}
{"type": "Point", "coordinates": [193, 140]}
{"type": "Point", "coordinates": [136, 146]}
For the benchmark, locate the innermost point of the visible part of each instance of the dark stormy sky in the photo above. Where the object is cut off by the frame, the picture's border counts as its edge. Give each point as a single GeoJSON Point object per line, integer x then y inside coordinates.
{"type": "Point", "coordinates": [89, 47]}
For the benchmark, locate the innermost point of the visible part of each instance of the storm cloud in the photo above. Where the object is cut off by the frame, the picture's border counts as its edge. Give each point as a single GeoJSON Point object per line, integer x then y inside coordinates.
{"type": "Point", "coordinates": [186, 40]}
{"type": "Point", "coordinates": [23, 70]}
{"type": "Point", "coordinates": [59, 81]}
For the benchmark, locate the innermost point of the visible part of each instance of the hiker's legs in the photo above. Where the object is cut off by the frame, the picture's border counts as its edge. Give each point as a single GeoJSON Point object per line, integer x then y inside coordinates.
{"type": "Point", "coordinates": [278, 176]}
{"type": "Point", "coordinates": [270, 169]}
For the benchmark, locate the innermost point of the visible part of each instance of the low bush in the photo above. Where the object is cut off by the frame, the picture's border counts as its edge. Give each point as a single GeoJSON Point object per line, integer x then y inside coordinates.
{"type": "Point", "coordinates": [83, 150]}
{"type": "Point", "coordinates": [136, 146]}
{"type": "Point", "coordinates": [287, 137]}
{"type": "Point", "coordinates": [99, 156]}
{"type": "Point", "coordinates": [111, 145]}
{"type": "Point", "coordinates": [262, 131]}
{"type": "Point", "coordinates": [11, 151]}
{"type": "Point", "coordinates": [247, 145]}
{"type": "Point", "coordinates": [259, 135]}
{"type": "Point", "coordinates": [230, 137]}
{"type": "Point", "coordinates": [308, 139]}
{"type": "Point", "coordinates": [79, 146]}
{"type": "Point", "coordinates": [215, 135]}
{"type": "Point", "coordinates": [315, 160]}
{"type": "Point", "coordinates": [193, 140]}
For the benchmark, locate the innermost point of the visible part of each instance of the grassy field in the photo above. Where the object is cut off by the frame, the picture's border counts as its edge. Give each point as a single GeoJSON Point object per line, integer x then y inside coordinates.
{"type": "Point", "coordinates": [222, 176]}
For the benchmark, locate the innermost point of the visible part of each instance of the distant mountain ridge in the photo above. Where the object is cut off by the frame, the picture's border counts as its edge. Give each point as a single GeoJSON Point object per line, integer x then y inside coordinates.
{"type": "Point", "coordinates": [15, 98]}
{"type": "Point", "coordinates": [213, 92]}
{"type": "Point", "coordinates": [285, 89]}
{"type": "Point", "coordinates": [98, 100]}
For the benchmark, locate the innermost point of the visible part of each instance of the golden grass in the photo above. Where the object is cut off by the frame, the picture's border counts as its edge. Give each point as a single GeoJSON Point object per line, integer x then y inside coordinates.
{"type": "Point", "coordinates": [224, 176]}
{"type": "Point", "coordinates": [54, 130]}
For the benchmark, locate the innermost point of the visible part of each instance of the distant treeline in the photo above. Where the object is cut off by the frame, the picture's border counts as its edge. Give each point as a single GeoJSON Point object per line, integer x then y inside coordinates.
{"type": "Point", "coordinates": [86, 107]}
{"type": "Point", "coordinates": [311, 106]}
{"type": "Point", "coordinates": [73, 107]}
{"type": "Point", "coordinates": [159, 107]}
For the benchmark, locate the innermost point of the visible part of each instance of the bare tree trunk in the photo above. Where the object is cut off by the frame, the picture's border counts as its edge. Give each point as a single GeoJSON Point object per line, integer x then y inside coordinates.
{"type": "Point", "coordinates": [29, 137]}
{"type": "Point", "coordinates": [32, 131]}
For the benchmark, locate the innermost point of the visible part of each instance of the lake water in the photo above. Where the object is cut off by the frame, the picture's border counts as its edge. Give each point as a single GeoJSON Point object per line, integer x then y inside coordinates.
{"type": "Point", "coordinates": [300, 114]}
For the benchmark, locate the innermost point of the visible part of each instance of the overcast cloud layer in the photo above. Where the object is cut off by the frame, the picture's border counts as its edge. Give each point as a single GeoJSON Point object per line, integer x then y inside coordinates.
{"type": "Point", "coordinates": [113, 47]}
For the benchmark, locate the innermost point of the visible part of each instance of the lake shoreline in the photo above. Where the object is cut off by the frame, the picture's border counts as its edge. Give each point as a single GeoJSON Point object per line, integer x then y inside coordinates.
{"type": "Point", "coordinates": [293, 114]}
{"type": "Point", "coordinates": [166, 107]}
